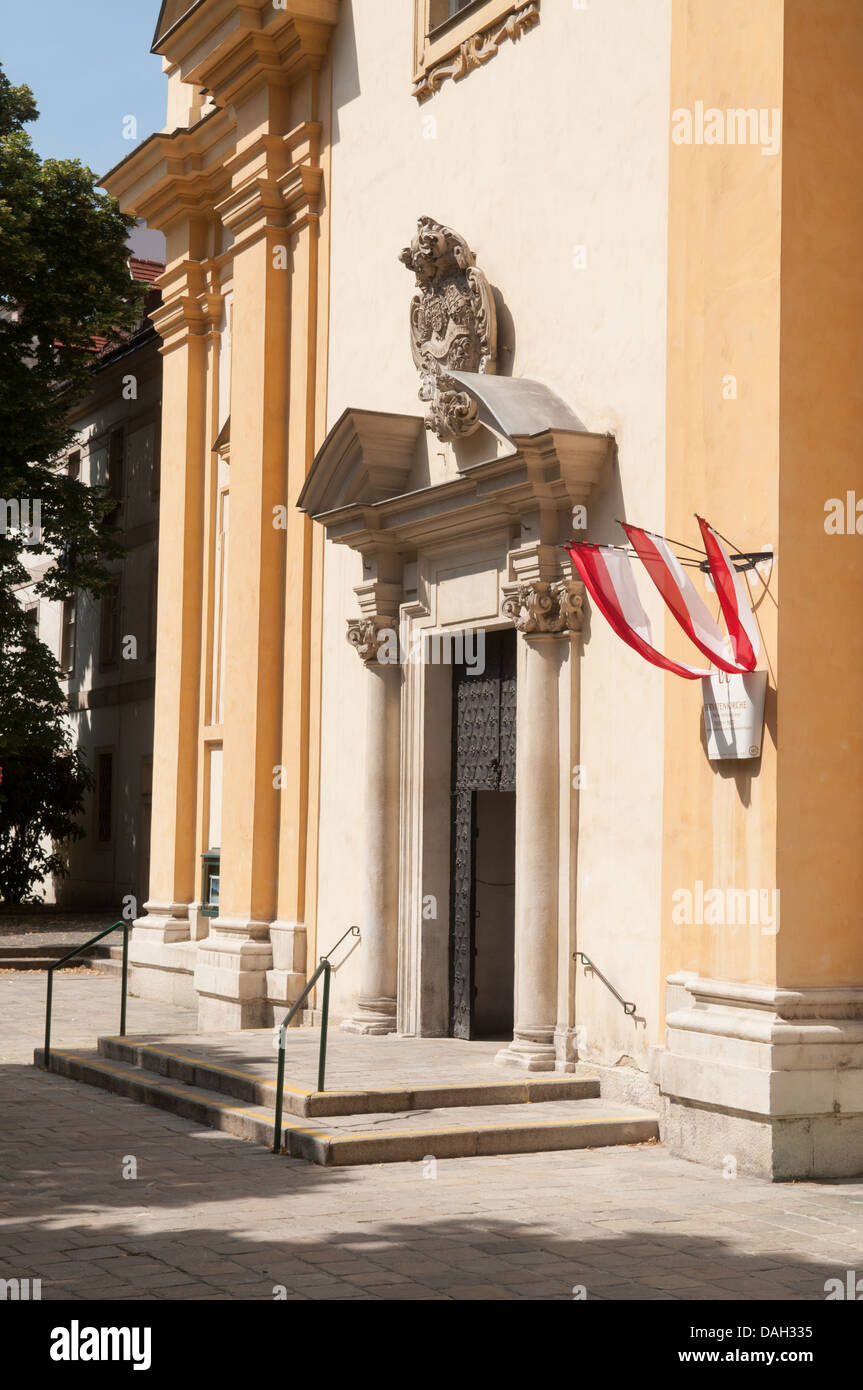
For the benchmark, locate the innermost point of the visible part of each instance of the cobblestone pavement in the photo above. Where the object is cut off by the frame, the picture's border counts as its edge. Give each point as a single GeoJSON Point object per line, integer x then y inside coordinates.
{"type": "Point", "coordinates": [209, 1217]}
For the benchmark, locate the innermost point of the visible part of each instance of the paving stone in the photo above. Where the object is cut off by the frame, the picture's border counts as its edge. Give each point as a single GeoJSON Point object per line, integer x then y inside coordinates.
{"type": "Point", "coordinates": [211, 1218]}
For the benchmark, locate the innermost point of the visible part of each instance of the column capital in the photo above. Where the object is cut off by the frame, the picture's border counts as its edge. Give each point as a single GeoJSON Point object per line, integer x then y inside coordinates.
{"type": "Point", "coordinates": [366, 635]}
{"type": "Point", "coordinates": [539, 607]}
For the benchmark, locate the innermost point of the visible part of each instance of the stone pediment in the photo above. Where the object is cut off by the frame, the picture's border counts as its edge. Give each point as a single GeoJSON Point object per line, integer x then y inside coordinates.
{"type": "Point", "coordinates": [170, 14]}
{"type": "Point", "coordinates": [366, 458]}
{"type": "Point", "coordinates": [548, 464]}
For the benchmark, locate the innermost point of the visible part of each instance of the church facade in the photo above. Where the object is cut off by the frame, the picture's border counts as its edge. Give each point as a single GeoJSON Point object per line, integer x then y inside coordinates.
{"type": "Point", "coordinates": [448, 284]}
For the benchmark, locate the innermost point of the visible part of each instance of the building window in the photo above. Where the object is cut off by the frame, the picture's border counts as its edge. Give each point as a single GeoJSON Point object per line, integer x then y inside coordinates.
{"type": "Point", "coordinates": [31, 618]}
{"type": "Point", "coordinates": [67, 636]}
{"type": "Point", "coordinates": [109, 625]}
{"type": "Point", "coordinates": [73, 465]}
{"type": "Point", "coordinates": [104, 801]}
{"type": "Point", "coordinates": [452, 37]}
{"type": "Point", "coordinates": [441, 11]}
{"type": "Point", "coordinates": [115, 479]}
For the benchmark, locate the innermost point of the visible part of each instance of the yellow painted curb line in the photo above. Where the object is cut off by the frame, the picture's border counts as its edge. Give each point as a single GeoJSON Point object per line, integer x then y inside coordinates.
{"type": "Point", "coordinates": [374, 1134]}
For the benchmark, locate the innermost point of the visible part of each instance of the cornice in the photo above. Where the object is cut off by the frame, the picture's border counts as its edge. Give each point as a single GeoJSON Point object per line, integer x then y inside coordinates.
{"type": "Point", "coordinates": [173, 174]}
{"type": "Point", "coordinates": [227, 46]}
{"type": "Point", "coordinates": [192, 304]}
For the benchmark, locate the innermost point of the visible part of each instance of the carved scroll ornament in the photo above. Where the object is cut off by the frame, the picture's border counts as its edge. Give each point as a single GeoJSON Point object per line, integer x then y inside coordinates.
{"type": "Point", "coordinates": [477, 50]}
{"type": "Point", "coordinates": [541, 607]}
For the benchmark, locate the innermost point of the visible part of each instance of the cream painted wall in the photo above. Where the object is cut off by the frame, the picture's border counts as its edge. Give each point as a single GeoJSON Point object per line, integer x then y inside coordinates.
{"type": "Point", "coordinates": [559, 142]}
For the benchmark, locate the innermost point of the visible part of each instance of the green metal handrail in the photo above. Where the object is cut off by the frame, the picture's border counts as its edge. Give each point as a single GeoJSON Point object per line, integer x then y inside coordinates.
{"type": "Point", "coordinates": [323, 969]}
{"type": "Point", "coordinates": [46, 1059]}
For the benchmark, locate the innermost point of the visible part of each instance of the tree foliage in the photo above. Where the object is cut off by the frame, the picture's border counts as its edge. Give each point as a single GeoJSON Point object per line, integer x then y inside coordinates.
{"type": "Point", "coordinates": [64, 281]}
{"type": "Point", "coordinates": [44, 777]}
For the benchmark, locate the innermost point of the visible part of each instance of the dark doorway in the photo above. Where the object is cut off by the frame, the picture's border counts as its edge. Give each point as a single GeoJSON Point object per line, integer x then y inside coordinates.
{"type": "Point", "coordinates": [483, 842]}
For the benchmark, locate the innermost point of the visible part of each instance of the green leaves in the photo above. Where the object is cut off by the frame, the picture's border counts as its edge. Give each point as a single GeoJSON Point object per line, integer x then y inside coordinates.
{"type": "Point", "coordinates": [64, 282]}
{"type": "Point", "coordinates": [43, 775]}
{"type": "Point", "coordinates": [17, 106]}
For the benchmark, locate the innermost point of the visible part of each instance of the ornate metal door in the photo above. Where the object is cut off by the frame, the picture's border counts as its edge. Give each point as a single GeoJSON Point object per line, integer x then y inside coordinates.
{"type": "Point", "coordinates": [483, 759]}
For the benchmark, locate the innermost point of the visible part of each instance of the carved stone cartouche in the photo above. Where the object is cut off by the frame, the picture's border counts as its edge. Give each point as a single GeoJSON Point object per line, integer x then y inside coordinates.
{"type": "Point", "coordinates": [453, 325]}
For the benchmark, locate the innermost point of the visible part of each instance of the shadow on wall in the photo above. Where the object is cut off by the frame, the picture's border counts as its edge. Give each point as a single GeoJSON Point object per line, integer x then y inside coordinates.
{"type": "Point", "coordinates": [346, 67]}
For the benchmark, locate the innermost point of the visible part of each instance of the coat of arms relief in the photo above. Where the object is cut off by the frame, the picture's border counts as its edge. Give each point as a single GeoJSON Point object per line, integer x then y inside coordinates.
{"type": "Point", "coordinates": [453, 325]}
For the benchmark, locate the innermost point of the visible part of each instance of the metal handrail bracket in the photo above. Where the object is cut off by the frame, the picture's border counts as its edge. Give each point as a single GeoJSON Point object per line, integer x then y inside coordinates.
{"type": "Point", "coordinates": [55, 965]}
{"type": "Point", "coordinates": [628, 1006]}
{"type": "Point", "coordinates": [325, 969]}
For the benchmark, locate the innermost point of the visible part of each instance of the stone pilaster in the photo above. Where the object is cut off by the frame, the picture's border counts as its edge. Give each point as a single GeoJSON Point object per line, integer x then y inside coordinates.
{"type": "Point", "coordinates": [160, 948]}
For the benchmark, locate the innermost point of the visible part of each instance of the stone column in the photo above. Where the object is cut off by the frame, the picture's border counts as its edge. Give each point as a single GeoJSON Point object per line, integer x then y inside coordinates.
{"type": "Point", "coordinates": [376, 1006]}
{"type": "Point", "coordinates": [540, 611]}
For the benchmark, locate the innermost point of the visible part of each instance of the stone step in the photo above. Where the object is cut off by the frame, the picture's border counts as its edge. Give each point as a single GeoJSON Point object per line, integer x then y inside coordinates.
{"type": "Point", "coordinates": [33, 951]}
{"type": "Point", "coordinates": [40, 957]}
{"type": "Point", "coordinates": [256, 1082]}
{"type": "Point", "coordinates": [378, 1137]}
{"type": "Point", "coordinates": [108, 959]}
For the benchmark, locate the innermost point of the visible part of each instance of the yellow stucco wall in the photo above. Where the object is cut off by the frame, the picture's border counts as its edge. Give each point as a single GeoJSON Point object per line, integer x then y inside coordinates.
{"type": "Point", "coordinates": [724, 247]}
{"type": "Point", "coordinates": [820, 786]}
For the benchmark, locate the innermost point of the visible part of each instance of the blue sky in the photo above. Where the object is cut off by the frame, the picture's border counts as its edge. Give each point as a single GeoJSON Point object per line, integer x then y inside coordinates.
{"type": "Point", "coordinates": [90, 66]}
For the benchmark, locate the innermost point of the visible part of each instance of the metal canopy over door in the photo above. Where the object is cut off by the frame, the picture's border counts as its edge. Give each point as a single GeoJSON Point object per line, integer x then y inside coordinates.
{"type": "Point", "coordinates": [483, 759]}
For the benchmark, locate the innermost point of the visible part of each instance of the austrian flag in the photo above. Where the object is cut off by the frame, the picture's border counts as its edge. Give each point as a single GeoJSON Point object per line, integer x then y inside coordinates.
{"type": "Point", "coordinates": [608, 576]}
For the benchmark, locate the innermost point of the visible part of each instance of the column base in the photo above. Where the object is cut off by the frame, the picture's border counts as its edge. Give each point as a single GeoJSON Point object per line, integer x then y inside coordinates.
{"type": "Point", "coordinates": [530, 1050]}
{"type": "Point", "coordinates": [765, 1080]}
{"type": "Point", "coordinates": [162, 956]}
{"type": "Point", "coordinates": [231, 976]}
{"type": "Point", "coordinates": [565, 1049]}
{"type": "Point", "coordinates": [373, 1017]}
{"type": "Point", "coordinates": [286, 980]}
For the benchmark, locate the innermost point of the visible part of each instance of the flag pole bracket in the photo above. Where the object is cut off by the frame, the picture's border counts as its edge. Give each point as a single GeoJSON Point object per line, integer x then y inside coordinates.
{"type": "Point", "coordinates": [748, 560]}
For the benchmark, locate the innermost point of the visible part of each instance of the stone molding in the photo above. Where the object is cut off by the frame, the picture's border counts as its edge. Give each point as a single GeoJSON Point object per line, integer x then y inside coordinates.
{"type": "Point", "coordinates": [538, 607]}
{"type": "Point", "coordinates": [772, 1075]}
{"type": "Point", "coordinates": [475, 51]}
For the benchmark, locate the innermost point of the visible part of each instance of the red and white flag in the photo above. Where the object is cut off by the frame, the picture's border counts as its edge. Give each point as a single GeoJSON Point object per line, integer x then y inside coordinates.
{"type": "Point", "coordinates": [682, 598]}
{"type": "Point", "coordinates": [738, 615]}
{"type": "Point", "coordinates": [608, 577]}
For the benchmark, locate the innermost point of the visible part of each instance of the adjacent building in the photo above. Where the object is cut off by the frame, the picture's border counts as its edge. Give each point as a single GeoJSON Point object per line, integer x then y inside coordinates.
{"type": "Point", "coordinates": [106, 647]}
{"type": "Point", "coordinates": [444, 280]}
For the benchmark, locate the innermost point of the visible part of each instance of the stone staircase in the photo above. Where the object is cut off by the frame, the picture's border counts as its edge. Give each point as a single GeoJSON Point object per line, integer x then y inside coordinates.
{"type": "Point", "coordinates": [395, 1122]}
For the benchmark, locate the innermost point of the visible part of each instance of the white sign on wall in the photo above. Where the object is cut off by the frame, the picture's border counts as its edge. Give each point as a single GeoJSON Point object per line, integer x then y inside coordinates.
{"type": "Point", "coordinates": [734, 714]}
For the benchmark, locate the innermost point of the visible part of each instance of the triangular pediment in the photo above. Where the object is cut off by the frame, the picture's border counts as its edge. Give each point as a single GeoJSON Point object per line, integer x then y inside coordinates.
{"type": "Point", "coordinates": [170, 14]}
